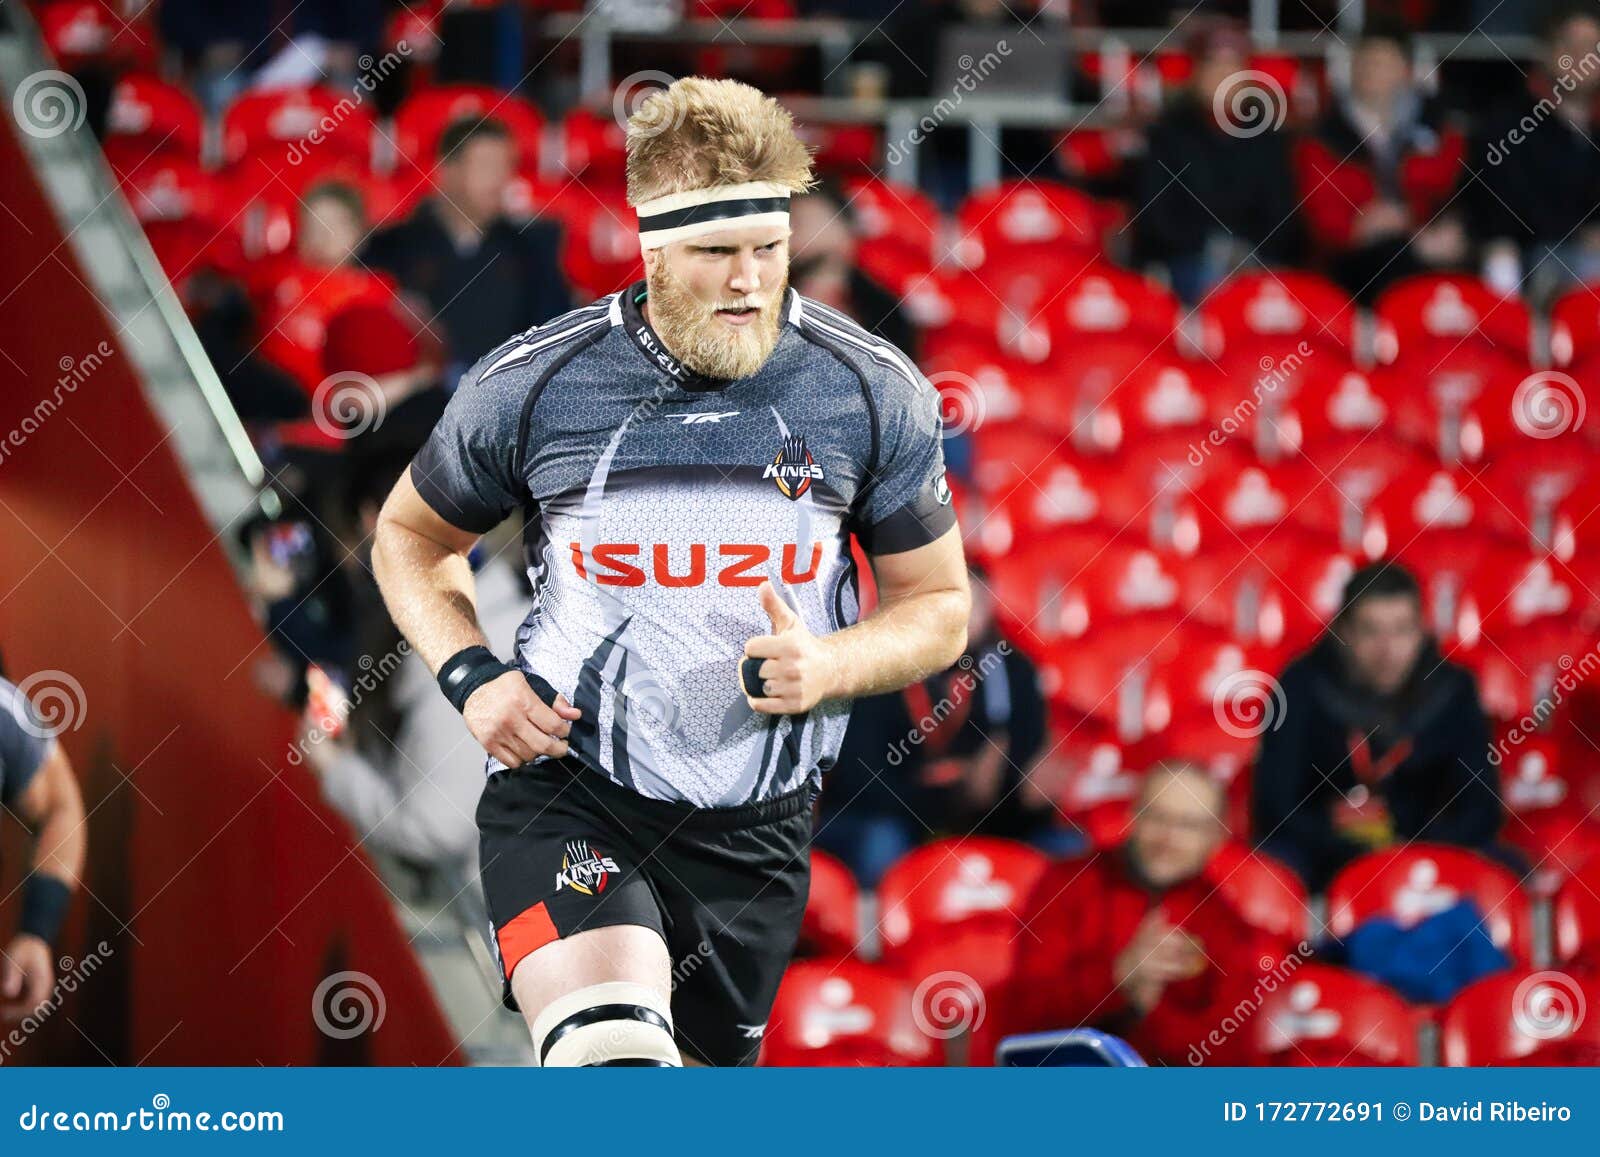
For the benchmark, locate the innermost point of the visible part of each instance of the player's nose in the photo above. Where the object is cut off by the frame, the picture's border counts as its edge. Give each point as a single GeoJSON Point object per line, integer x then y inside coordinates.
{"type": "Point", "coordinates": [746, 273]}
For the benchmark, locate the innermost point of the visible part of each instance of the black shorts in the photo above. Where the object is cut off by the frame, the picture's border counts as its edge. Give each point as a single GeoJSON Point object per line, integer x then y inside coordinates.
{"type": "Point", "coordinates": [564, 849]}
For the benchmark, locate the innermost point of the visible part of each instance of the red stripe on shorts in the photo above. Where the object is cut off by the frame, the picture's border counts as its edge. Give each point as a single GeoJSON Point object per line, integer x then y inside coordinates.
{"type": "Point", "coordinates": [531, 930]}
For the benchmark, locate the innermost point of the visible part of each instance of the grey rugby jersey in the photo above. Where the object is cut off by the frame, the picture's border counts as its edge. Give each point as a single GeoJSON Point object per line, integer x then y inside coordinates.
{"type": "Point", "coordinates": [656, 502]}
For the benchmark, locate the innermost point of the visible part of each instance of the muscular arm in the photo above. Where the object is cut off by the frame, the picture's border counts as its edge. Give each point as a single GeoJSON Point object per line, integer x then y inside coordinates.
{"type": "Point", "coordinates": [420, 562]}
{"type": "Point", "coordinates": [920, 627]}
{"type": "Point", "coordinates": [53, 806]}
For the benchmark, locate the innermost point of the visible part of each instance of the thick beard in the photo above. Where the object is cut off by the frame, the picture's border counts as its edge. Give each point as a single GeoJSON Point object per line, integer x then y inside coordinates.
{"type": "Point", "coordinates": [695, 336]}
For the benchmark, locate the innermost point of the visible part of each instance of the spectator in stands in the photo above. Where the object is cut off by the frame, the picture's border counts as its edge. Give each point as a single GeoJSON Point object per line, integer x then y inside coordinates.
{"type": "Point", "coordinates": [950, 754]}
{"type": "Point", "coordinates": [1538, 169]}
{"type": "Point", "coordinates": [480, 274]}
{"type": "Point", "coordinates": [332, 224]}
{"type": "Point", "coordinates": [822, 265]}
{"type": "Point", "coordinates": [1380, 739]}
{"type": "Point", "coordinates": [405, 771]}
{"type": "Point", "coordinates": [1138, 940]}
{"type": "Point", "coordinates": [1215, 188]}
{"type": "Point", "coordinates": [1378, 173]}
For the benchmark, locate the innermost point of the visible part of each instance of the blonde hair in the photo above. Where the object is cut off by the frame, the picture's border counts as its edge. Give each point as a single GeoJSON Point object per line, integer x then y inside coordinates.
{"type": "Point", "coordinates": [698, 133]}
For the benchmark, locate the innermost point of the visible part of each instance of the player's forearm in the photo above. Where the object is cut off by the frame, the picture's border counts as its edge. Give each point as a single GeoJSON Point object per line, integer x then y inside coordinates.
{"type": "Point", "coordinates": [61, 843]}
{"type": "Point", "coordinates": [428, 589]}
{"type": "Point", "coordinates": [903, 642]}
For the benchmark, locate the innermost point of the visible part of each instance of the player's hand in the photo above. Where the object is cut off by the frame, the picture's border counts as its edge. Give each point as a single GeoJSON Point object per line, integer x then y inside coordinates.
{"type": "Point", "coordinates": [26, 974]}
{"type": "Point", "coordinates": [796, 672]}
{"type": "Point", "coordinates": [515, 725]}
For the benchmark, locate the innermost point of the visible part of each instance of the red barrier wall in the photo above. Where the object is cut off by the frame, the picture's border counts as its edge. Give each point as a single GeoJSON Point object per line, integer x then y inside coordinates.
{"type": "Point", "coordinates": [224, 889]}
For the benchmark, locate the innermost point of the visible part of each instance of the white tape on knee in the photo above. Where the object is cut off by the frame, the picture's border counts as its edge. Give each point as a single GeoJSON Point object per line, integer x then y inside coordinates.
{"type": "Point", "coordinates": [616, 1023]}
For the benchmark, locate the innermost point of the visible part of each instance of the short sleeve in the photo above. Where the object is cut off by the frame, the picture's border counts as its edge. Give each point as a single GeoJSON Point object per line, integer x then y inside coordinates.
{"type": "Point", "coordinates": [467, 469]}
{"type": "Point", "coordinates": [24, 743]}
{"type": "Point", "coordinates": [906, 503]}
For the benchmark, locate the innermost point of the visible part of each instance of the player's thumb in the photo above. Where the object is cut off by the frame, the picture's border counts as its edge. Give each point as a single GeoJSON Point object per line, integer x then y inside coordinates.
{"type": "Point", "coordinates": [783, 619]}
{"type": "Point", "coordinates": [10, 978]}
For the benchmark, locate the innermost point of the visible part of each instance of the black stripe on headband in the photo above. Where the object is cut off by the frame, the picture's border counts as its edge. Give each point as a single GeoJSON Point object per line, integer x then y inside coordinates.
{"type": "Point", "coordinates": [712, 211]}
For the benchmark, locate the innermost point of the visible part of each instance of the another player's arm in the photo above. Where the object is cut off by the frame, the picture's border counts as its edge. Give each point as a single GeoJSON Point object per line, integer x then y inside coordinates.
{"type": "Point", "coordinates": [52, 806]}
{"type": "Point", "coordinates": [420, 562]}
{"type": "Point", "coordinates": [919, 627]}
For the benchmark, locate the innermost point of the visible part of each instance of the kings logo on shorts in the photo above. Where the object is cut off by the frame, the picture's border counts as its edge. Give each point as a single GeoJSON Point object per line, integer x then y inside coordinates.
{"type": "Point", "coordinates": [793, 468]}
{"type": "Point", "coordinates": [583, 869]}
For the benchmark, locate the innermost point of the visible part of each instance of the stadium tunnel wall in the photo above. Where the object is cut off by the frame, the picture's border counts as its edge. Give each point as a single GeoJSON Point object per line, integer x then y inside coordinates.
{"type": "Point", "coordinates": [225, 892]}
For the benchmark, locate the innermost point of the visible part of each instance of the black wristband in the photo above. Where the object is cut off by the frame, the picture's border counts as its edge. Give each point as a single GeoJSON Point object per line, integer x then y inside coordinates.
{"type": "Point", "coordinates": [44, 906]}
{"type": "Point", "coordinates": [466, 671]}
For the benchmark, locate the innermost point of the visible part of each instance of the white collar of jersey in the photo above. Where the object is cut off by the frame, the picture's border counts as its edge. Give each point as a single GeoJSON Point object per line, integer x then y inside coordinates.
{"type": "Point", "coordinates": [681, 216]}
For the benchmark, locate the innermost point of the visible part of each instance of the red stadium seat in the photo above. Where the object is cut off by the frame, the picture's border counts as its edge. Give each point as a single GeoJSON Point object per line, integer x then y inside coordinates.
{"type": "Point", "coordinates": [977, 884]}
{"type": "Point", "coordinates": [1326, 1017]}
{"type": "Point", "coordinates": [82, 32]}
{"type": "Point", "coordinates": [897, 225]}
{"type": "Point", "coordinates": [844, 1013]}
{"type": "Point", "coordinates": [600, 246]}
{"type": "Point", "coordinates": [1543, 493]}
{"type": "Point", "coordinates": [422, 118]}
{"type": "Point", "coordinates": [1431, 315]}
{"type": "Point", "coordinates": [1267, 895]}
{"type": "Point", "coordinates": [1575, 325]}
{"type": "Point", "coordinates": [1034, 216]}
{"type": "Point", "coordinates": [1522, 1018]}
{"type": "Point", "coordinates": [1454, 404]}
{"type": "Point", "coordinates": [1112, 675]}
{"type": "Point", "coordinates": [832, 924]}
{"type": "Point", "coordinates": [1412, 883]}
{"type": "Point", "coordinates": [173, 188]}
{"type": "Point", "coordinates": [1276, 309]}
{"type": "Point", "coordinates": [593, 146]}
{"type": "Point", "coordinates": [1095, 780]}
{"type": "Point", "coordinates": [1348, 404]}
{"type": "Point", "coordinates": [295, 326]}
{"type": "Point", "coordinates": [150, 118]}
{"type": "Point", "coordinates": [293, 124]}
{"type": "Point", "coordinates": [1104, 301]}
{"type": "Point", "coordinates": [1349, 479]}
{"type": "Point", "coordinates": [1249, 506]}
{"type": "Point", "coordinates": [1577, 921]}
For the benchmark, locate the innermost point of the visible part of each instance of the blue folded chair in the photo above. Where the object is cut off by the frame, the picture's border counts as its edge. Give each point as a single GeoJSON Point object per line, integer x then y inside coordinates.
{"type": "Point", "coordinates": [1072, 1048]}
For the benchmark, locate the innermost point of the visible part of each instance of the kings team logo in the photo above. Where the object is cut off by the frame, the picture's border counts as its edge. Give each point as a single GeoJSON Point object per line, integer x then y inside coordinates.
{"type": "Point", "coordinates": [583, 869]}
{"type": "Point", "coordinates": [793, 468]}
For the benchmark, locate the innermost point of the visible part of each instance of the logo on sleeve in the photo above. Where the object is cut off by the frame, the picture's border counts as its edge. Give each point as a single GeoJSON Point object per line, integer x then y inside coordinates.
{"type": "Point", "coordinates": [793, 468]}
{"type": "Point", "coordinates": [941, 489]}
{"type": "Point", "coordinates": [583, 869]}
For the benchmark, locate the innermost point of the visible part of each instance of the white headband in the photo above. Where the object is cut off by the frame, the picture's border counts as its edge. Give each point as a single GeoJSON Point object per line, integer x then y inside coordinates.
{"type": "Point", "coordinates": [680, 216]}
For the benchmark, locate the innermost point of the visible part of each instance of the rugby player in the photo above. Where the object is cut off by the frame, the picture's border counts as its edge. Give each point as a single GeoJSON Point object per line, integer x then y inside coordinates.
{"type": "Point", "coordinates": [37, 787]}
{"type": "Point", "coordinates": [691, 457]}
